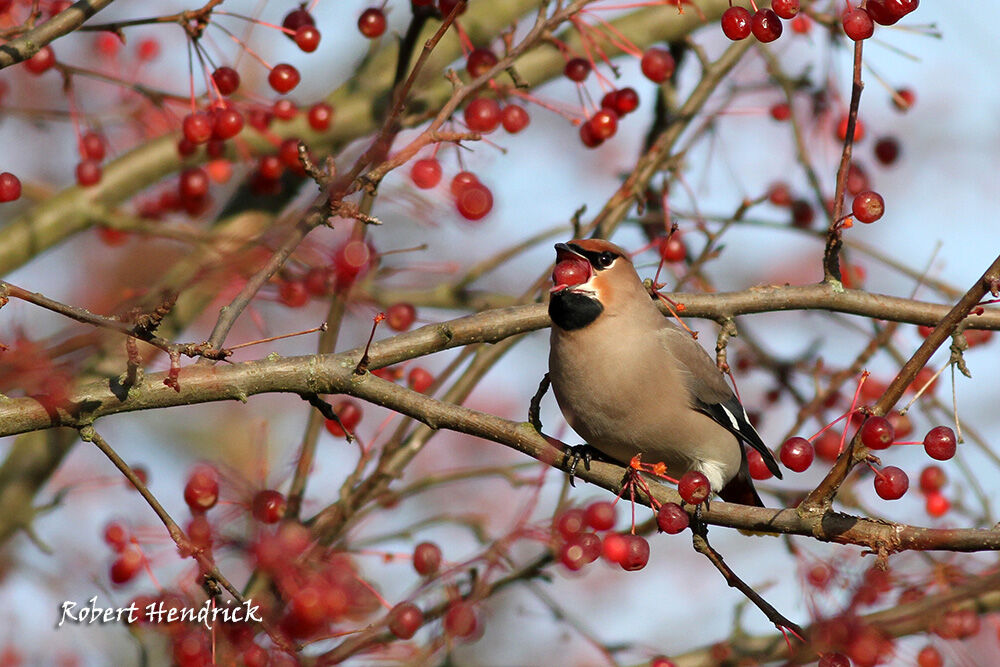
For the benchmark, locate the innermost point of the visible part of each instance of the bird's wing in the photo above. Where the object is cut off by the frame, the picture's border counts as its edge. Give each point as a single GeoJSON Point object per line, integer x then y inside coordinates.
{"type": "Point", "coordinates": [710, 393]}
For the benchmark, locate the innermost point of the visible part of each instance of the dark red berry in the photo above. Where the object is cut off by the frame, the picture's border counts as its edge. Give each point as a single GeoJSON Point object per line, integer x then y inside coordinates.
{"type": "Point", "coordinates": [307, 38]}
{"type": "Point", "coordinates": [834, 660]}
{"type": "Point", "coordinates": [268, 506]}
{"type": "Point", "coordinates": [474, 202]}
{"type": "Point", "coordinates": [284, 109]}
{"type": "Point", "coordinates": [781, 111]}
{"type": "Point", "coordinates": [226, 79]}
{"type": "Point", "coordinates": [426, 558]}
{"type": "Point", "coordinates": [803, 214]}
{"type": "Point", "coordinates": [479, 62]}
{"type": "Point", "coordinates": [766, 25]}
{"type": "Point", "coordinates": [904, 99]}
{"type": "Point", "coordinates": [625, 101]}
{"type": "Point", "coordinates": [226, 124]}
{"type": "Point", "coordinates": [671, 518]}
{"type": "Point", "coordinates": [932, 479]}
{"type": "Point", "coordinates": [400, 316]}
{"type": "Point", "coordinates": [786, 9]}
{"type": "Point", "coordinates": [588, 137]}
{"type": "Point", "coordinates": [877, 433]}
{"type": "Point", "coordinates": [293, 293]}
{"type": "Point", "coordinates": [887, 150]}
{"type": "Point", "coordinates": [600, 515]}
{"type": "Point", "coordinates": [868, 207]}
{"type": "Point", "coordinates": [577, 69]}
{"type": "Point", "coordinates": [461, 181]}
{"type": "Point", "coordinates": [283, 78]}
{"type": "Point", "coordinates": [127, 565]}
{"type": "Point", "coordinates": [891, 483]}
{"type": "Point", "coordinates": [44, 59]}
{"type": "Point", "coordinates": [858, 24]}
{"type": "Point", "coordinates": [570, 523]}
{"type": "Point", "coordinates": [404, 620]}
{"type": "Point", "coordinates": [193, 183]}
{"type": "Point", "coordinates": [482, 114]}
{"type": "Point", "coordinates": [297, 18]}
{"type": "Point", "coordinates": [349, 414]}
{"type": "Point", "coordinates": [419, 379]}
{"type": "Point", "coordinates": [940, 443]}
{"type": "Point", "coordinates": [694, 487]}
{"type": "Point", "coordinates": [197, 127]}
{"type": "Point", "coordinates": [797, 454]}
{"type": "Point", "coordinates": [10, 187]}
{"type": "Point", "coordinates": [372, 22]}
{"type": "Point", "coordinates": [736, 23]}
{"type": "Point", "coordinates": [604, 124]}
{"type": "Point", "coordinates": [92, 146]}
{"type": "Point", "coordinates": [657, 64]}
{"type": "Point", "coordinates": [636, 553]}
{"type": "Point", "coordinates": [514, 118]}
{"type": "Point", "coordinates": [755, 463]}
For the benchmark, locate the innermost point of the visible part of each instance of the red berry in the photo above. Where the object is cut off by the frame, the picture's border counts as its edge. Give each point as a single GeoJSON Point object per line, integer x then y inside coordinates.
{"type": "Point", "coordinates": [426, 558]}
{"type": "Point", "coordinates": [270, 167]}
{"type": "Point", "coordinates": [803, 214]}
{"type": "Point", "coordinates": [936, 504]}
{"type": "Point", "coordinates": [877, 433]}
{"type": "Point", "coordinates": [350, 415]}
{"type": "Point", "coordinates": [284, 109]}
{"type": "Point", "coordinates": [694, 487]}
{"type": "Point", "coordinates": [293, 293]}
{"type": "Point", "coordinates": [636, 553]}
{"type": "Point", "coordinates": [460, 620]}
{"type": "Point", "coordinates": [92, 146]}
{"type": "Point", "coordinates": [351, 261]}
{"type": "Point", "coordinates": [577, 69]}
{"type": "Point", "coordinates": [372, 22]}
{"type": "Point", "coordinates": [116, 535]}
{"type": "Point", "coordinates": [307, 38]}
{"type": "Point", "coordinates": [400, 316]}
{"type": "Point", "coordinates": [858, 24]}
{"type": "Point", "coordinates": [127, 565]}
{"type": "Point", "coordinates": [625, 101]}
{"type": "Point", "coordinates": [446, 7]}
{"type": "Point", "coordinates": [320, 116]}
{"type": "Point", "coordinates": [781, 111]}
{"type": "Point", "coordinates": [766, 25]}
{"type": "Point", "coordinates": [148, 49]}
{"type": "Point", "coordinates": [482, 114]}
{"type": "Point", "coordinates": [940, 443]}
{"type": "Point", "coordinates": [891, 483]}
{"type": "Point", "coordinates": [426, 173]}
{"type": "Point", "coordinates": [614, 548]}
{"type": "Point", "coordinates": [10, 187]}
{"type": "Point", "coordinates": [887, 150]}
{"type": "Point", "coordinates": [404, 620]}
{"type": "Point", "coordinates": [657, 64]}
{"type": "Point", "coordinates": [887, 12]}
{"type": "Point", "coordinates": [736, 23]}
{"type": "Point", "coordinates": [828, 446]}
{"type": "Point", "coordinates": [797, 454]}
{"type": "Point", "coordinates": [588, 136]}
{"type": "Point", "coordinates": [201, 491]}
{"type": "Point", "coordinates": [479, 62]}
{"type": "Point", "coordinates": [671, 518]}
{"type": "Point", "coordinates": [834, 660]}
{"type": "Point", "coordinates": [780, 194]}
{"type": "Point", "coordinates": [268, 506]}
{"type": "Point", "coordinates": [572, 555]}
{"type": "Point", "coordinates": [868, 207]}
{"type": "Point", "coordinates": [288, 153]}
{"type": "Point", "coordinates": [226, 124]}
{"type": "Point", "coordinates": [461, 181]}
{"type": "Point", "coordinates": [193, 183]}
{"type": "Point", "coordinates": [514, 118]}
{"type": "Point", "coordinates": [801, 24]}
{"type": "Point", "coordinates": [197, 127]}
{"type": "Point", "coordinates": [419, 379]}
{"type": "Point", "coordinates": [226, 79]}
{"type": "Point", "coordinates": [474, 202]}
{"type": "Point", "coordinates": [88, 172]}
{"type": "Point", "coordinates": [297, 18]}
{"type": "Point", "coordinates": [570, 523]}
{"type": "Point", "coordinates": [600, 515]}
{"type": "Point", "coordinates": [932, 479]}
{"type": "Point", "coordinates": [904, 99]}
{"type": "Point", "coordinates": [758, 469]}
{"type": "Point", "coordinates": [672, 249]}
{"type": "Point", "coordinates": [819, 575]}
{"type": "Point", "coordinates": [283, 78]}
{"type": "Point", "coordinates": [857, 179]}
{"type": "Point", "coordinates": [41, 61]}
{"type": "Point", "coordinates": [859, 129]}
{"type": "Point", "coordinates": [786, 9]}
{"type": "Point", "coordinates": [929, 657]}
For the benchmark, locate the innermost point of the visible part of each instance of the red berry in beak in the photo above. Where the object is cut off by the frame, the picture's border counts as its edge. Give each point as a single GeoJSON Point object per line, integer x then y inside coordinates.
{"type": "Point", "coordinates": [569, 272]}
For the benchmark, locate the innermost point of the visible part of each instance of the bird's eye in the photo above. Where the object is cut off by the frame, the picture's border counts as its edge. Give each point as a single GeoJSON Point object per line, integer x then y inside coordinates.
{"type": "Point", "coordinates": [606, 259]}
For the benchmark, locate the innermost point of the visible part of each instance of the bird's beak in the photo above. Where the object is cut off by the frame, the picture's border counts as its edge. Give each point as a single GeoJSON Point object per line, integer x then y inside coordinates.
{"type": "Point", "coordinates": [571, 269]}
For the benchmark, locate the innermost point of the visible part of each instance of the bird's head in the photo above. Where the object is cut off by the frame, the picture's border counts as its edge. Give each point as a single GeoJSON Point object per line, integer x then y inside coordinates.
{"type": "Point", "coordinates": [588, 275]}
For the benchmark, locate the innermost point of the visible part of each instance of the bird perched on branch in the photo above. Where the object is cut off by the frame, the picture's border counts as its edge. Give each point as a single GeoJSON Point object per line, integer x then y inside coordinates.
{"type": "Point", "coordinates": [631, 382]}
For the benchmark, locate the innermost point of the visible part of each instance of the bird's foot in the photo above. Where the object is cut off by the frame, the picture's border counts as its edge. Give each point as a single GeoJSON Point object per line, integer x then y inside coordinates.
{"type": "Point", "coordinates": [572, 456]}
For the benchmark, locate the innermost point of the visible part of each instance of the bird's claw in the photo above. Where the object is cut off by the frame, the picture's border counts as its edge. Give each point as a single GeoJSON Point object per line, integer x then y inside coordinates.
{"type": "Point", "coordinates": [572, 457]}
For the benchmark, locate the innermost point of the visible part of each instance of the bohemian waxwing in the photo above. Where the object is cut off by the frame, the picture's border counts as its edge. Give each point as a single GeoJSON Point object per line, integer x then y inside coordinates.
{"type": "Point", "coordinates": [631, 382]}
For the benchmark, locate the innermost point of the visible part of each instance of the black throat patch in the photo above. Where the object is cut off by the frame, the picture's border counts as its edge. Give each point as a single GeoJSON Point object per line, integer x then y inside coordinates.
{"type": "Point", "coordinates": [570, 310]}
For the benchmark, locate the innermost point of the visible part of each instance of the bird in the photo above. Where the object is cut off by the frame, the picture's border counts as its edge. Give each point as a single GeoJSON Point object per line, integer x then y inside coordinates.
{"type": "Point", "coordinates": [631, 382]}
